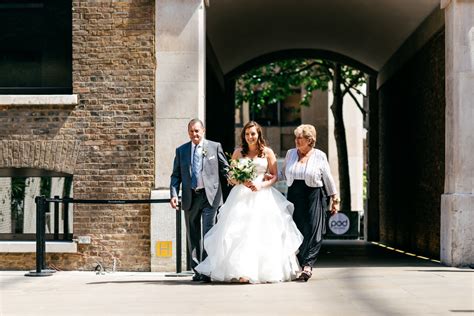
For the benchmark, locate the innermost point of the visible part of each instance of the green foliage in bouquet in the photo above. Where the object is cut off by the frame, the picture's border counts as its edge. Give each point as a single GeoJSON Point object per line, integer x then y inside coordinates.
{"type": "Point", "coordinates": [241, 170]}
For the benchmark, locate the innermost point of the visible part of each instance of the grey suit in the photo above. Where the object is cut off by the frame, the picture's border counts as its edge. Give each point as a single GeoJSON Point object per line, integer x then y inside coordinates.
{"type": "Point", "coordinates": [199, 205]}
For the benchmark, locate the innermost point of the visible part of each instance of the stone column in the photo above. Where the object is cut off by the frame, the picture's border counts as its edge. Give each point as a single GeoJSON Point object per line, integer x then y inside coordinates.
{"type": "Point", "coordinates": [457, 202]}
{"type": "Point", "coordinates": [6, 206]}
{"type": "Point", "coordinates": [180, 96]}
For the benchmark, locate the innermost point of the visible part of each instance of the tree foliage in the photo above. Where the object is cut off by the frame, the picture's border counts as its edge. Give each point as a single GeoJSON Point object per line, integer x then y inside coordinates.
{"type": "Point", "coordinates": [276, 81]}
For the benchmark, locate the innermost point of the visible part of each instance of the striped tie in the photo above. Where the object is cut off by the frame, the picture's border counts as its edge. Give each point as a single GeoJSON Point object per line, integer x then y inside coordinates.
{"type": "Point", "coordinates": [196, 168]}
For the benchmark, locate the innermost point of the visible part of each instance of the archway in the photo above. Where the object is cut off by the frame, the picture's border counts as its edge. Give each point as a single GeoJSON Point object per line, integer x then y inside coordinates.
{"type": "Point", "coordinates": [318, 114]}
{"type": "Point", "coordinates": [404, 43]}
{"type": "Point", "coordinates": [235, 45]}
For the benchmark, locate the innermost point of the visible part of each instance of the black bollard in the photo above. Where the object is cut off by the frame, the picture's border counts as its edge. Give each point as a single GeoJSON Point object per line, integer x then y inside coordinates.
{"type": "Point", "coordinates": [66, 217]}
{"type": "Point", "coordinates": [45, 209]}
{"type": "Point", "coordinates": [179, 249]}
{"type": "Point", "coordinates": [56, 218]}
{"type": "Point", "coordinates": [178, 238]}
{"type": "Point", "coordinates": [40, 202]}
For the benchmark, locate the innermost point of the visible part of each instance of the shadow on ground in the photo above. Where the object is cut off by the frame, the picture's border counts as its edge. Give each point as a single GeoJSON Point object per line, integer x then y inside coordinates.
{"type": "Point", "coordinates": [358, 253]}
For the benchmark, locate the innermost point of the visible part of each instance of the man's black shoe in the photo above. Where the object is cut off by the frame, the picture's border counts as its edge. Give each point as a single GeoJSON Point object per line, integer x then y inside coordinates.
{"type": "Point", "coordinates": [201, 278]}
{"type": "Point", "coordinates": [197, 277]}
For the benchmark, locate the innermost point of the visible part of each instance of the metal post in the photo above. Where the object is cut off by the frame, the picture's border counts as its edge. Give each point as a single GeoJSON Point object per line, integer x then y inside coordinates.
{"type": "Point", "coordinates": [179, 248]}
{"type": "Point", "coordinates": [40, 242]}
{"type": "Point", "coordinates": [45, 209]}
{"type": "Point", "coordinates": [39, 237]}
{"type": "Point", "coordinates": [42, 231]}
{"type": "Point", "coordinates": [178, 238]}
{"type": "Point", "coordinates": [66, 218]}
{"type": "Point", "coordinates": [56, 218]}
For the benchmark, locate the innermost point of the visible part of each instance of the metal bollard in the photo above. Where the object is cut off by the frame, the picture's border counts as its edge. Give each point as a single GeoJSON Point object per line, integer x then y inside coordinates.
{"type": "Point", "coordinates": [179, 248]}
{"type": "Point", "coordinates": [56, 218]}
{"type": "Point", "coordinates": [178, 238]}
{"type": "Point", "coordinates": [66, 217]}
{"type": "Point", "coordinates": [41, 204]}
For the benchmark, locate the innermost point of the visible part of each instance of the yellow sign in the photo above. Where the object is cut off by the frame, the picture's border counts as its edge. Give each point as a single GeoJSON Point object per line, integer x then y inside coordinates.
{"type": "Point", "coordinates": [164, 249]}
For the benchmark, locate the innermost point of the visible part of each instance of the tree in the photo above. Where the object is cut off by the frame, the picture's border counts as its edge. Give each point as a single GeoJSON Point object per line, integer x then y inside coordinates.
{"type": "Point", "coordinates": [276, 81]}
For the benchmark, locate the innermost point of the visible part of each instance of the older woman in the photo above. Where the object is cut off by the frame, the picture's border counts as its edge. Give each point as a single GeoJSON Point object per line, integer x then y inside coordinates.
{"type": "Point", "coordinates": [309, 183]}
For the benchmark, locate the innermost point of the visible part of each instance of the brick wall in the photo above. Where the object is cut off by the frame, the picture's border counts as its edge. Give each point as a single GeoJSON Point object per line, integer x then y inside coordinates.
{"type": "Point", "coordinates": [412, 144]}
{"type": "Point", "coordinates": [113, 75]}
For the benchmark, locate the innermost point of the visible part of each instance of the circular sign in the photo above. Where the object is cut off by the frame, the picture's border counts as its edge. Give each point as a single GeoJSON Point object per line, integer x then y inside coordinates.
{"type": "Point", "coordinates": [339, 223]}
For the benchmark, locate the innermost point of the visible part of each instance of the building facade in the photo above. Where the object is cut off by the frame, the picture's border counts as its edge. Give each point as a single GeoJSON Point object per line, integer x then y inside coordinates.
{"type": "Point", "coordinates": [96, 95]}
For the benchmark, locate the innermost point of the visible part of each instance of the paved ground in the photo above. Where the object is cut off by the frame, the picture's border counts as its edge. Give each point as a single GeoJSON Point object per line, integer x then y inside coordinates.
{"type": "Point", "coordinates": [352, 278]}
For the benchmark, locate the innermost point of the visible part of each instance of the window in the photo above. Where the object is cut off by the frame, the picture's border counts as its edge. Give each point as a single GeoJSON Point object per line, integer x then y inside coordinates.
{"type": "Point", "coordinates": [284, 113]}
{"type": "Point", "coordinates": [290, 111]}
{"type": "Point", "coordinates": [18, 208]}
{"type": "Point", "coordinates": [36, 49]}
{"type": "Point", "coordinates": [267, 115]}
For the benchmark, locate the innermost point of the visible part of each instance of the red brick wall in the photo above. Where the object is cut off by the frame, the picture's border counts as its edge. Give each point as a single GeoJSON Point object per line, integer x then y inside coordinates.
{"type": "Point", "coordinates": [113, 75]}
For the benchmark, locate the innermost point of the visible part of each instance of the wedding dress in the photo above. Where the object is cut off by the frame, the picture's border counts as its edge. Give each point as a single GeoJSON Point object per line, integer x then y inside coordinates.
{"type": "Point", "coordinates": [255, 236]}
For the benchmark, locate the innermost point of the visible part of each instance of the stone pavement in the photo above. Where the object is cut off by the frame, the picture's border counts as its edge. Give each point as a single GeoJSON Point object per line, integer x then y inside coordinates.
{"type": "Point", "coordinates": [352, 278]}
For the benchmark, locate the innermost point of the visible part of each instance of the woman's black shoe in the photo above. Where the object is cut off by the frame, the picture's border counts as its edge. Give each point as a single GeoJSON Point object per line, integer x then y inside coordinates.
{"type": "Point", "coordinates": [305, 275]}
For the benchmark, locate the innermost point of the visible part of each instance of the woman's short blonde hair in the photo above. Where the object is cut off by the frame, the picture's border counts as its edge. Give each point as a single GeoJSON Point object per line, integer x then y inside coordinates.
{"type": "Point", "coordinates": [307, 131]}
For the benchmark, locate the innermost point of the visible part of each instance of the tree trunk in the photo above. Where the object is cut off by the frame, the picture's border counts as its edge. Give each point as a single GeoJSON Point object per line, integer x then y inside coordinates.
{"type": "Point", "coordinates": [341, 142]}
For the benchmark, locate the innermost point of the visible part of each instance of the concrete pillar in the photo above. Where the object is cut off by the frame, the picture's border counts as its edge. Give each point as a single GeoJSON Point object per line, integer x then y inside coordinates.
{"type": "Point", "coordinates": [180, 96]}
{"type": "Point", "coordinates": [457, 202]}
{"type": "Point", "coordinates": [5, 205]}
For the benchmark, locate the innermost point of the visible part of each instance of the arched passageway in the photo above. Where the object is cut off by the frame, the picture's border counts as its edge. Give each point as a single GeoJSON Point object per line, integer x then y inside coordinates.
{"type": "Point", "coordinates": [139, 73]}
{"type": "Point", "coordinates": [419, 138]}
{"type": "Point", "coordinates": [401, 45]}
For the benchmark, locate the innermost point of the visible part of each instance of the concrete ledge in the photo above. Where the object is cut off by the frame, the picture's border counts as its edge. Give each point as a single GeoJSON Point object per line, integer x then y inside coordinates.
{"type": "Point", "coordinates": [49, 99]}
{"type": "Point", "coordinates": [30, 246]}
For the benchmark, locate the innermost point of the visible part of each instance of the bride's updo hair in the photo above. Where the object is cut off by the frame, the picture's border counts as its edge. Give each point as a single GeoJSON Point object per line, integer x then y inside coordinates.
{"type": "Point", "coordinates": [260, 140]}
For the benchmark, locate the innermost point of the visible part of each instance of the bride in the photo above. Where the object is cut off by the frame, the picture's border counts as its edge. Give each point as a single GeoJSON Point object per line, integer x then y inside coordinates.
{"type": "Point", "coordinates": [255, 238]}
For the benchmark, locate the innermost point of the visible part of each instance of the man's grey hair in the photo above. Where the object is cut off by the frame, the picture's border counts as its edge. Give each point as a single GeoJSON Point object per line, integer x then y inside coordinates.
{"type": "Point", "coordinates": [194, 121]}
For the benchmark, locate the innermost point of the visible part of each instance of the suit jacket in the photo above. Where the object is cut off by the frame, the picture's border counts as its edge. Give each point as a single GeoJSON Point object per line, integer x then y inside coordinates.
{"type": "Point", "coordinates": [214, 165]}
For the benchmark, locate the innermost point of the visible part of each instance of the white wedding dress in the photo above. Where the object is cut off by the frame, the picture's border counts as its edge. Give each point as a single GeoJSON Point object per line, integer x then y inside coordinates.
{"type": "Point", "coordinates": [255, 236]}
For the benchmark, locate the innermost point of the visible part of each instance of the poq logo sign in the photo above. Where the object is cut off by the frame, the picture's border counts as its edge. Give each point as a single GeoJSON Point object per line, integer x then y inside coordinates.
{"type": "Point", "coordinates": [339, 223]}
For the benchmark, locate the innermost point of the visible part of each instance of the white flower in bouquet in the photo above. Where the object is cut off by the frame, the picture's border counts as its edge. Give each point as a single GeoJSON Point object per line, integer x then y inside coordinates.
{"type": "Point", "coordinates": [241, 170]}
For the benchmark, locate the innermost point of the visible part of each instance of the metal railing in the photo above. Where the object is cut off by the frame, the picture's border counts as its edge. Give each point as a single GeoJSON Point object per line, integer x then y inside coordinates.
{"type": "Point", "coordinates": [42, 207]}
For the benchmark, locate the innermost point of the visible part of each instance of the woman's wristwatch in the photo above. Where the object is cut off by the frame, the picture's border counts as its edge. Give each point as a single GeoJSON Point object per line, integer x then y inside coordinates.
{"type": "Point", "coordinates": [336, 200]}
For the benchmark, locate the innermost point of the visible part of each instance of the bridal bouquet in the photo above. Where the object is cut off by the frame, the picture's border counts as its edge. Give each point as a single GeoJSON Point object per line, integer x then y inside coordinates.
{"type": "Point", "coordinates": [241, 170]}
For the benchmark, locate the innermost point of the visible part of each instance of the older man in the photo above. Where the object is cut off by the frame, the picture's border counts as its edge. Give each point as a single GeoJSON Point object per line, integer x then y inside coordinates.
{"type": "Point", "coordinates": [198, 165]}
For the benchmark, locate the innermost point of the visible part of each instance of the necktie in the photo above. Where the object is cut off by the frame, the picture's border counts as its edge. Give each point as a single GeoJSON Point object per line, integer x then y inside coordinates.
{"type": "Point", "coordinates": [196, 168]}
